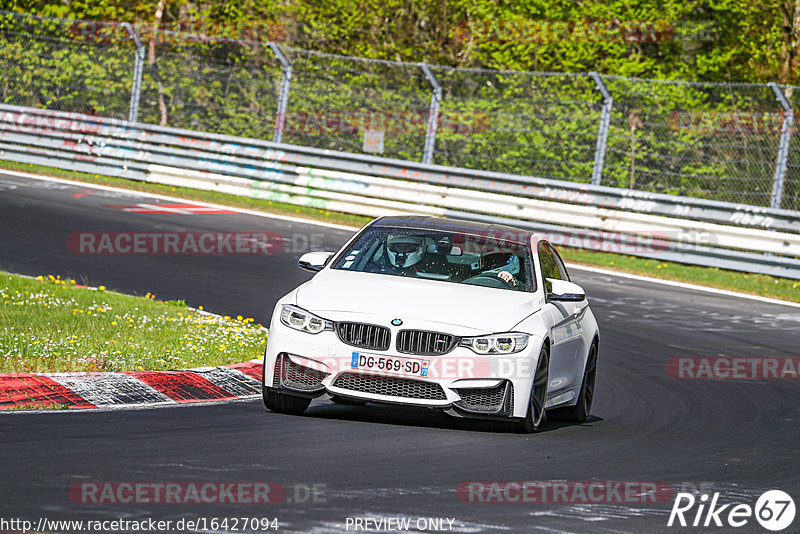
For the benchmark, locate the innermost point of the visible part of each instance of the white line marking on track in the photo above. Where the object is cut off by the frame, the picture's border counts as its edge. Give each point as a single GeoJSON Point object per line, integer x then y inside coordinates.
{"type": "Point", "coordinates": [158, 208]}
{"type": "Point", "coordinates": [684, 285]}
{"type": "Point", "coordinates": [183, 200]}
{"type": "Point", "coordinates": [597, 270]}
{"type": "Point", "coordinates": [131, 407]}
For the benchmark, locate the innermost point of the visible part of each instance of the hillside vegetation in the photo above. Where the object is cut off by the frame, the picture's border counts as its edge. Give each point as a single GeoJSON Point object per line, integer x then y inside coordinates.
{"type": "Point", "coordinates": [709, 40]}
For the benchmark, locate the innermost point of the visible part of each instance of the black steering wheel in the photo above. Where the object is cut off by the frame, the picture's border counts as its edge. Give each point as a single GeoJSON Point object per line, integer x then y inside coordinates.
{"type": "Point", "coordinates": [488, 280]}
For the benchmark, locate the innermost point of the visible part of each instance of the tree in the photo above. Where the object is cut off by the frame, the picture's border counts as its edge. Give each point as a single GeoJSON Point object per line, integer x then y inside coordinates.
{"type": "Point", "coordinates": [162, 106]}
{"type": "Point", "coordinates": [790, 35]}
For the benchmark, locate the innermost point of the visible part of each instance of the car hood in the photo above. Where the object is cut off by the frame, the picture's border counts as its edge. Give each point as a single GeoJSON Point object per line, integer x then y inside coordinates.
{"type": "Point", "coordinates": [481, 308]}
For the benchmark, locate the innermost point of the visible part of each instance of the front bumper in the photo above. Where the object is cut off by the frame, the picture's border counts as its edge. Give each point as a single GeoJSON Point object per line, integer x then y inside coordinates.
{"type": "Point", "coordinates": [461, 382]}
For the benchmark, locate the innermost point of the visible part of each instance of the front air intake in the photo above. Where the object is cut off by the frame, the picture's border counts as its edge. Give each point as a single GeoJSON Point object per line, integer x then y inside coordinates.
{"type": "Point", "coordinates": [291, 375]}
{"type": "Point", "coordinates": [393, 387]}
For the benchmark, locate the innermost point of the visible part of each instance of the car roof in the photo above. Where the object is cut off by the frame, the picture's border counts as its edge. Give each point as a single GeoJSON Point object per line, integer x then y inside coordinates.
{"type": "Point", "coordinates": [451, 225]}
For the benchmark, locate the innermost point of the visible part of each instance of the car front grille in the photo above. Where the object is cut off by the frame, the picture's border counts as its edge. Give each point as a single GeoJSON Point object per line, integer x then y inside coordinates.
{"type": "Point", "coordinates": [395, 387]}
{"type": "Point", "coordinates": [365, 336]}
{"type": "Point", "coordinates": [425, 343]}
{"type": "Point", "coordinates": [486, 400]}
{"type": "Point", "coordinates": [298, 377]}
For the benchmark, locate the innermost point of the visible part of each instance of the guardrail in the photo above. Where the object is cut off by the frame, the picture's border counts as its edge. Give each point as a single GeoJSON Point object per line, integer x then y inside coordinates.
{"type": "Point", "coordinates": [664, 227]}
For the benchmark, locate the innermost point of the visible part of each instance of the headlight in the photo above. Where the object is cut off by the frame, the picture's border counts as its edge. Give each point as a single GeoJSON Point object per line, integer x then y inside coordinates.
{"type": "Point", "coordinates": [299, 319]}
{"type": "Point", "coordinates": [496, 343]}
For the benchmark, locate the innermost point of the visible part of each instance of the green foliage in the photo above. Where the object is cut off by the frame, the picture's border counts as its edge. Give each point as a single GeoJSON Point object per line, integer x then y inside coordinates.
{"type": "Point", "coordinates": [708, 40]}
{"type": "Point", "coordinates": [52, 325]}
{"type": "Point", "coordinates": [756, 284]}
{"type": "Point", "coordinates": [516, 122]}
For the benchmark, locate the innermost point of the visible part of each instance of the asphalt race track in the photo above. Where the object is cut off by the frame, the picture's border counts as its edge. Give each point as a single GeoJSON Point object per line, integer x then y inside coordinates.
{"type": "Point", "coordinates": [737, 437]}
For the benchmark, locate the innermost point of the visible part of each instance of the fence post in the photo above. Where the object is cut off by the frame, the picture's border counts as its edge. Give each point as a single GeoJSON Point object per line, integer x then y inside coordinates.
{"type": "Point", "coordinates": [783, 148]}
{"type": "Point", "coordinates": [433, 114]}
{"type": "Point", "coordinates": [602, 132]}
{"type": "Point", "coordinates": [283, 98]}
{"type": "Point", "coordinates": [138, 68]}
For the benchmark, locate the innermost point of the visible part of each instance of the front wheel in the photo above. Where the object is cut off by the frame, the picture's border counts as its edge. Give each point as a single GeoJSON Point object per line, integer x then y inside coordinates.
{"type": "Point", "coordinates": [283, 403]}
{"type": "Point", "coordinates": [535, 416]}
{"type": "Point", "coordinates": [580, 412]}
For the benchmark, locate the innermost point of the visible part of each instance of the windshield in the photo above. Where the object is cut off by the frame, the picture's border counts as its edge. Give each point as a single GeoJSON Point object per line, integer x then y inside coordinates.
{"type": "Point", "coordinates": [489, 259]}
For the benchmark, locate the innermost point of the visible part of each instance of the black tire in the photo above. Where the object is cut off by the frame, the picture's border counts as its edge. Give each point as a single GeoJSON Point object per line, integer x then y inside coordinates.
{"type": "Point", "coordinates": [580, 412]}
{"type": "Point", "coordinates": [535, 417]}
{"type": "Point", "coordinates": [283, 403]}
{"type": "Point", "coordinates": [347, 402]}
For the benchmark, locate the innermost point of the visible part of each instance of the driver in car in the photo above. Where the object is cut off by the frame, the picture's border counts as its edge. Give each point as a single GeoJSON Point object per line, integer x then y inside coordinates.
{"type": "Point", "coordinates": [404, 254]}
{"type": "Point", "coordinates": [507, 277]}
{"type": "Point", "coordinates": [507, 271]}
{"type": "Point", "coordinates": [407, 256]}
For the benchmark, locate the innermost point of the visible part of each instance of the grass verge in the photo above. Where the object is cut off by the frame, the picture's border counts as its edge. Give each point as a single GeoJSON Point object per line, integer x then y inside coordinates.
{"type": "Point", "coordinates": [756, 284]}
{"type": "Point", "coordinates": [54, 325]}
{"type": "Point", "coordinates": [39, 406]}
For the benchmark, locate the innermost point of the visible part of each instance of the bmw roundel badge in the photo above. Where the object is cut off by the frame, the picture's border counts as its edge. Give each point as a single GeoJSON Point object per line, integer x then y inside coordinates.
{"type": "Point", "coordinates": [397, 322]}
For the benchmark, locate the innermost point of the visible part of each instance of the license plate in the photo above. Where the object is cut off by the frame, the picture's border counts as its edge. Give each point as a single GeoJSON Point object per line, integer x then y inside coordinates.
{"type": "Point", "coordinates": [390, 364]}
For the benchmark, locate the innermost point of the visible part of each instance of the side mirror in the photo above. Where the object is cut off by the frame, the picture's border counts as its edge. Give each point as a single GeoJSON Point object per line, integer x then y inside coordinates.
{"type": "Point", "coordinates": [563, 291]}
{"type": "Point", "coordinates": [314, 261]}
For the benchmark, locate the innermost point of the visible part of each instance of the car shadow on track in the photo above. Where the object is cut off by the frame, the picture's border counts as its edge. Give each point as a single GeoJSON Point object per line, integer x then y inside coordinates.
{"type": "Point", "coordinates": [421, 417]}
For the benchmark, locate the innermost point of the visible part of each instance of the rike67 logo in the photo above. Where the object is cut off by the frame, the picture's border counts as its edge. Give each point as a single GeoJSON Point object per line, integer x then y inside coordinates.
{"type": "Point", "coordinates": [774, 510]}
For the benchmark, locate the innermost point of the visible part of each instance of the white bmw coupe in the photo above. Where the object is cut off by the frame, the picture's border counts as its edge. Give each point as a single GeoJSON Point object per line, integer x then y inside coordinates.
{"type": "Point", "coordinates": [476, 320]}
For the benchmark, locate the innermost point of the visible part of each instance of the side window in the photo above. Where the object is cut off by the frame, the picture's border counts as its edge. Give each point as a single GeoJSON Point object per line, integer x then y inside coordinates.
{"type": "Point", "coordinates": [548, 263]}
{"type": "Point", "coordinates": [562, 269]}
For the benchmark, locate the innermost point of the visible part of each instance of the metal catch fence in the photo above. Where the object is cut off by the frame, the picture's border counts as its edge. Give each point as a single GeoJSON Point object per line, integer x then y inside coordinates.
{"type": "Point", "coordinates": [727, 142]}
